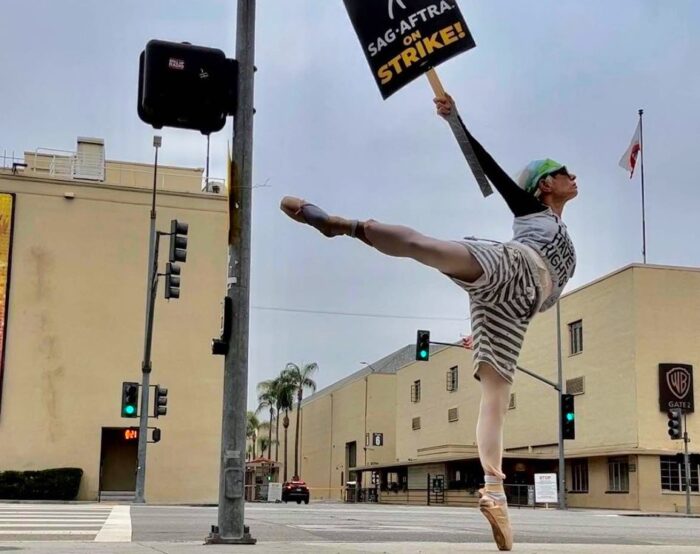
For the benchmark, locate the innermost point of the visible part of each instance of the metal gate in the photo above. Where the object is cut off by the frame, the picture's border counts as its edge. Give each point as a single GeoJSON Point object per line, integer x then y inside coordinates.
{"type": "Point", "coordinates": [436, 489]}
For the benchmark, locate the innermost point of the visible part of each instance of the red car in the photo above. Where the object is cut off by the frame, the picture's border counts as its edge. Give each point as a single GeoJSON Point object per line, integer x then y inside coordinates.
{"type": "Point", "coordinates": [295, 490]}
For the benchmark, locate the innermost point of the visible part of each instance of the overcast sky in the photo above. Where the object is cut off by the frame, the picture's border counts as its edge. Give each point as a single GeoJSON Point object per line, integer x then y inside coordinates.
{"type": "Point", "coordinates": [548, 78]}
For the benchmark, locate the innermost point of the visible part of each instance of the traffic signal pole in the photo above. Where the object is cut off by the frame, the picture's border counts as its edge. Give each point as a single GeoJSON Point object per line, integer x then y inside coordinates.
{"type": "Point", "coordinates": [560, 391]}
{"type": "Point", "coordinates": [231, 528]}
{"type": "Point", "coordinates": [686, 463]}
{"type": "Point", "coordinates": [146, 364]}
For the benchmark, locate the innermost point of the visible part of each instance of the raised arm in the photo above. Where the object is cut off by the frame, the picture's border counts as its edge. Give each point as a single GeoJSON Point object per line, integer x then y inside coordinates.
{"type": "Point", "coordinates": [520, 202]}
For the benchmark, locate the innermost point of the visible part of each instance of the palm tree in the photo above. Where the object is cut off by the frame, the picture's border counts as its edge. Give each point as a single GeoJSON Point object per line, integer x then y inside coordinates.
{"type": "Point", "coordinates": [252, 426]}
{"type": "Point", "coordinates": [263, 441]}
{"type": "Point", "coordinates": [300, 377]}
{"type": "Point", "coordinates": [285, 402]}
{"type": "Point", "coordinates": [267, 398]}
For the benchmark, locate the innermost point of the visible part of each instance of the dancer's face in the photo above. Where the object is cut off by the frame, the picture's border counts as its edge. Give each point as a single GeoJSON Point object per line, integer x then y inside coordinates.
{"type": "Point", "coordinates": [562, 185]}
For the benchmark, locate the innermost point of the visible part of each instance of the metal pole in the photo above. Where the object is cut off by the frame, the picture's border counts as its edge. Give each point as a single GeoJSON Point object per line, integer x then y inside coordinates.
{"type": "Point", "coordinates": [206, 178]}
{"type": "Point", "coordinates": [151, 285]}
{"type": "Point", "coordinates": [562, 464]}
{"type": "Point", "coordinates": [641, 164]}
{"type": "Point", "coordinates": [686, 460]}
{"type": "Point", "coordinates": [231, 528]}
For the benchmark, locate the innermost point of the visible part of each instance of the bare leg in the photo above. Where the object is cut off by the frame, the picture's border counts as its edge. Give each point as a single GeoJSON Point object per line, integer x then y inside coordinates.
{"type": "Point", "coordinates": [393, 240]}
{"type": "Point", "coordinates": [493, 504]}
{"type": "Point", "coordinates": [495, 397]}
{"type": "Point", "coordinates": [397, 240]}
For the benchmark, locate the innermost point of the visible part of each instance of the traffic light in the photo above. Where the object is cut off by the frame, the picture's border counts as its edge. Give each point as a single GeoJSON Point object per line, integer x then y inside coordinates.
{"type": "Point", "coordinates": [130, 399]}
{"type": "Point", "coordinates": [568, 416]}
{"type": "Point", "coordinates": [674, 424]}
{"type": "Point", "coordinates": [161, 401]}
{"type": "Point", "coordinates": [172, 281]}
{"type": "Point", "coordinates": [156, 435]}
{"type": "Point", "coordinates": [423, 346]}
{"type": "Point", "coordinates": [178, 241]}
{"type": "Point", "coordinates": [186, 86]}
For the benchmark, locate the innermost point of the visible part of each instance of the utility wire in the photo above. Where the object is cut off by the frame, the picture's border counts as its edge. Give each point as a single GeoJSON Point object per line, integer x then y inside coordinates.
{"type": "Point", "coordinates": [357, 314]}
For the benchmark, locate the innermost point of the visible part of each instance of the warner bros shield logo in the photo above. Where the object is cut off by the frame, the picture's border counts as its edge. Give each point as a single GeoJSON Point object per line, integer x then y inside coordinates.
{"type": "Point", "coordinates": [676, 387]}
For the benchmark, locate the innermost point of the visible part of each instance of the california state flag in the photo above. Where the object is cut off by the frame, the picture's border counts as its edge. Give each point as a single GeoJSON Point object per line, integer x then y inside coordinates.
{"type": "Point", "coordinates": [629, 158]}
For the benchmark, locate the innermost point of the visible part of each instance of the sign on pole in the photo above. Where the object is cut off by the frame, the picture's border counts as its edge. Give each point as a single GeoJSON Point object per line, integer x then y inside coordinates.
{"type": "Point", "coordinates": [402, 39]}
{"type": "Point", "coordinates": [546, 488]}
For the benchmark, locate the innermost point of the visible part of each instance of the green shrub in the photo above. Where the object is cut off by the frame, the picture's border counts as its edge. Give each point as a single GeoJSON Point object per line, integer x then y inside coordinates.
{"type": "Point", "coordinates": [47, 484]}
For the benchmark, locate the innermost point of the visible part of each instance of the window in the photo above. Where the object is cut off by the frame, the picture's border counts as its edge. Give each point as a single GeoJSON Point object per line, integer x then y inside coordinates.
{"type": "Point", "coordinates": [453, 414]}
{"type": "Point", "coordinates": [575, 386]}
{"type": "Point", "coordinates": [452, 379]}
{"type": "Point", "coordinates": [618, 474]}
{"type": "Point", "coordinates": [673, 473]}
{"type": "Point", "coordinates": [576, 337]}
{"type": "Point", "coordinates": [416, 423]}
{"type": "Point", "coordinates": [579, 476]}
{"type": "Point", "coordinates": [415, 391]}
{"type": "Point", "coordinates": [511, 404]}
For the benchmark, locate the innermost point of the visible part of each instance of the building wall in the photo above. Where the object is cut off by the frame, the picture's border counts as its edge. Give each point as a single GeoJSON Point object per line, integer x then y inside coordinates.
{"type": "Point", "coordinates": [632, 320]}
{"type": "Point", "coordinates": [331, 419]}
{"type": "Point", "coordinates": [75, 331]}
{"type": "Point", "coordinates": [437, 435]}
{"type": "Point", "coordinates": [598, 495]}
{"type": "Point", "coordinates": [606, 362]}
{"type": "Point", "coordinates": [667, 327]}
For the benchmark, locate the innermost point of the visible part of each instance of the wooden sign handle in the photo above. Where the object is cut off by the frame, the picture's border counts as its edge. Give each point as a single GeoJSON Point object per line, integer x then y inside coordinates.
{"type": "Point", "coordinates": [460, 134]}
{"type": "Point", "coordinates": [435, 83]}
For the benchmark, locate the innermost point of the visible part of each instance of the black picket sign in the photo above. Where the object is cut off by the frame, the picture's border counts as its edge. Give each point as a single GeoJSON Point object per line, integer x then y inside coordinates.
{"type": "Point", "coordinates": [402, 39]}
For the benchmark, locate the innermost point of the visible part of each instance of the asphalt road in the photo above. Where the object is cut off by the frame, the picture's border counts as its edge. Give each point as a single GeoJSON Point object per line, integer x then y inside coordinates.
{"type": "Point", "coordinates": [367, 523]}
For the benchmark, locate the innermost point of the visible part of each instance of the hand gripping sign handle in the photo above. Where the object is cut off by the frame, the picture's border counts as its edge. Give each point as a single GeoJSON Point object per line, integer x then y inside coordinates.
{"type": "Point", "coordinates": [461, 137]}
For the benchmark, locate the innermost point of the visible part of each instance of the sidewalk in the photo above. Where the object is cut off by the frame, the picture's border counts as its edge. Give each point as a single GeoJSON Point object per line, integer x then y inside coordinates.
{"type": "Point", "coordinates": [66, 547]}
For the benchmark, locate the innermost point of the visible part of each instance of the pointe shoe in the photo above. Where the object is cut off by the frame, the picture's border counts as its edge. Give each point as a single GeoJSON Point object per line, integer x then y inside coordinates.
{"type": "Point", "coordinates": [303, 212]}
{"type": "Point", "coordinates": [497, 516]}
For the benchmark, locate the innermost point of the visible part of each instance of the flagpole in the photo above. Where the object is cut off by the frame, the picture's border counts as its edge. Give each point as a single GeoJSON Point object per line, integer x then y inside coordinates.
{"type": "Point", "coordinates": [641, 164]}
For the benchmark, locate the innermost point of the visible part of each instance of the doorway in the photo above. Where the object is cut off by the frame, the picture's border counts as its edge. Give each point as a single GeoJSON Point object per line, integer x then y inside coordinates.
{"type": "Point", "coordinates": [118, 459]}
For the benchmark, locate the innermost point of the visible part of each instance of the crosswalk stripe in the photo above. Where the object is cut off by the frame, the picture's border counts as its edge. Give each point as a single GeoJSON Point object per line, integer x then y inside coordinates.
{"type": "Point", "coordinates": [117, 528]}
{"type": "Point", "coordinates": [55, 519]}
{"type": "Point", "coordinates": [39, 514]}
{"type": "Point", "coordinates": [41, 524]}
{"type": "Point", "coordinates": [21, 532]}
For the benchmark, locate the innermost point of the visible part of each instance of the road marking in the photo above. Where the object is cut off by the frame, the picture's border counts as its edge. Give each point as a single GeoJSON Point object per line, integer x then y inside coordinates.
{"type": "Point", "coordinates": [117, 528]}
{"type": "Point", "coordinates": [42, 524]}
{"type": "Point", "coordinates": [46, 532]}
{"type": "Point", "coordinates": [53, 519]}
{"type": "Point", "coordinates": [378, 529]}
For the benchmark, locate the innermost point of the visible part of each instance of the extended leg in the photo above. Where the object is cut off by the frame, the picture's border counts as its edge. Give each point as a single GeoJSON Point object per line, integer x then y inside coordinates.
{"type": "Point", "coordinates": [448, 257]}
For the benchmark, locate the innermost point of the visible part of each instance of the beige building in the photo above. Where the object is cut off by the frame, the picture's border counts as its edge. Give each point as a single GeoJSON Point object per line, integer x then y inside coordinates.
{"type": "Point", "coordinates": [615, 332]}
{"type": "Point", "coordinates": [75, 322]}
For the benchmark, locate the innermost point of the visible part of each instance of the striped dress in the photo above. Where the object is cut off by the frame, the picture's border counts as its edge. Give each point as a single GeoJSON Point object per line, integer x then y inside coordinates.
{"type": "Point", "coordinates": [503, 301]}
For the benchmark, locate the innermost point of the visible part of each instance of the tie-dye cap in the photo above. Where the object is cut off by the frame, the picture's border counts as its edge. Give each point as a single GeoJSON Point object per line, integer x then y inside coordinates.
{"type": "Point", "coordinates": [534, 171]}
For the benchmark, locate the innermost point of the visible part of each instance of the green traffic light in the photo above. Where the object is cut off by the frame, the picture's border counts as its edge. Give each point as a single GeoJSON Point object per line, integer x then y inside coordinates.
{"type": "Point", "coordinates": [424, 354]}
{"type": "Point", "coordinates": [570, 417]}
{"type": "Point", "coordinates": [129, 409]}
